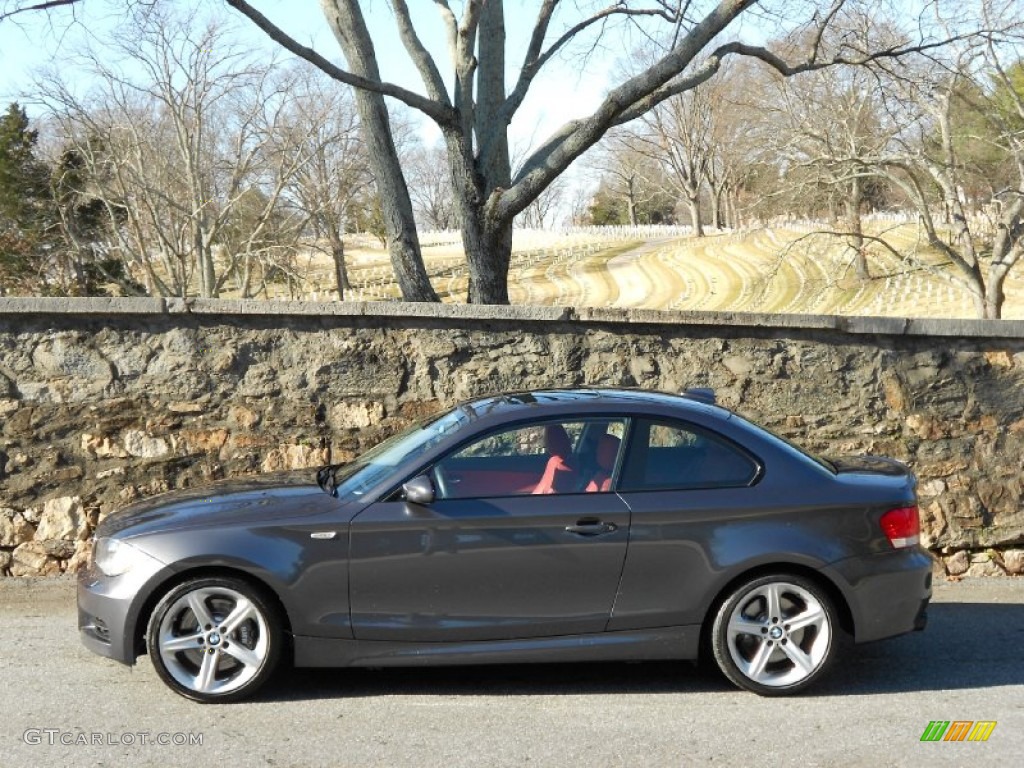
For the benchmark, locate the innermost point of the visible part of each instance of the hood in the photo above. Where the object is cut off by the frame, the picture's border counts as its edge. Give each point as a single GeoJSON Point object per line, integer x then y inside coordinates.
{"type": "Point", "coordinates": [274, 496]}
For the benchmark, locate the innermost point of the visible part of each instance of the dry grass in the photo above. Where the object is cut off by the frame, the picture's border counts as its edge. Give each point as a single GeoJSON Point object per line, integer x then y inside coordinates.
{"type": "Point", "coordinates": [767, 270]}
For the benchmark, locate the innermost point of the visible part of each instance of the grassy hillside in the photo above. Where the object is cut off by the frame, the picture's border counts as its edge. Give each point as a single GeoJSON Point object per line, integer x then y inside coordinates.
{"type": "Point", "coordinates": [768, 270]}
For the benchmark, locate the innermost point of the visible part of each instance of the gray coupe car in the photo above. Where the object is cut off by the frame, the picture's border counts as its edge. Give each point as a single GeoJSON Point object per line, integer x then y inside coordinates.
{"type": "Point", "coordinates": [555, 526]}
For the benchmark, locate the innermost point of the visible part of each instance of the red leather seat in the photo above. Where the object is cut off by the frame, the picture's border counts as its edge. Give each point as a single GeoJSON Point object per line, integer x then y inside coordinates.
{"type": "Point", "coordinates": [557, 472]}
{"type": "Point", "coordinates": [607, 451]}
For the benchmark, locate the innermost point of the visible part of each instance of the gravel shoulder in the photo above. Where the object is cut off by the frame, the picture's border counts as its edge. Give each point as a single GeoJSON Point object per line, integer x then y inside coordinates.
{"type": "Point", "coordinates": [871, 712]}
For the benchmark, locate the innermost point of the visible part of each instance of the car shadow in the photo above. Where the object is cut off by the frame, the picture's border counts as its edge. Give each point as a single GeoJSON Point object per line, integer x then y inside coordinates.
{"type": "Point", "coordinates": [966, 645]}
{"type": "Point", "coordinates": [496, 680]}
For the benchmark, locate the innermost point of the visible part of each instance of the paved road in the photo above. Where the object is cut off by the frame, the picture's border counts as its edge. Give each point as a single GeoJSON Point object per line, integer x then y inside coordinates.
{"type": "Point", "coordinates": [968, 665]}
{"type": "Point", "coordinates": [636, 286]}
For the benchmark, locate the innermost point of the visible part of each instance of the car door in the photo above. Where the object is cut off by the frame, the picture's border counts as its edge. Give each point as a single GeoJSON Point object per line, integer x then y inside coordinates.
{"type": "Point", "coordinates": [690, 490]}
{"type": "Point", "coordinates": [503, 552]}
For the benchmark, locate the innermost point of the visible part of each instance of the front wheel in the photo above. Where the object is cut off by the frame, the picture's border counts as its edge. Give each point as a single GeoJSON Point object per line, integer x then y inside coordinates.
{"type": "Point", "coordinates": [775, 635]}
{"type": "Point", "coordinates": [214, 639]}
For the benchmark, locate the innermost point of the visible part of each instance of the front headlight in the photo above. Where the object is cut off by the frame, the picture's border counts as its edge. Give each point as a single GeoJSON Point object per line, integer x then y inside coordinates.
{"type": "Point", "coordinates": [115, 556]}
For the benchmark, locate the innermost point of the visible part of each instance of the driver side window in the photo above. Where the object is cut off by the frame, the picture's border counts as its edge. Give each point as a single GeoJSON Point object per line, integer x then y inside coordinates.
{"type": "Point", "coordinates": [541, 458]}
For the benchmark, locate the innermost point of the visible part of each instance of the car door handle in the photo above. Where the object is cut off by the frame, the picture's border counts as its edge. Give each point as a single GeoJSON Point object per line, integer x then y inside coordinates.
{"type": "Point", "coordinates": [588, 527]}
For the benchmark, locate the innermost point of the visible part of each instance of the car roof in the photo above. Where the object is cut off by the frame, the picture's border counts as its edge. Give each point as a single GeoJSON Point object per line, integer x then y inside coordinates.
{"type": "Point", "coordinates": [584, 399]}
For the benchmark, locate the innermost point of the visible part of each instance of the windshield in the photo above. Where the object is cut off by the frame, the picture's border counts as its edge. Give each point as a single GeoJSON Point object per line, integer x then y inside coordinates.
{"type": "Point", "coordinates": [358, 476]}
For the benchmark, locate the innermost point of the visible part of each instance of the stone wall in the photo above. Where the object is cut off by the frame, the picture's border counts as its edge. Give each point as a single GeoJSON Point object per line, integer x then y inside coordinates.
{"type": "Point", "coordinates": [103, 401]}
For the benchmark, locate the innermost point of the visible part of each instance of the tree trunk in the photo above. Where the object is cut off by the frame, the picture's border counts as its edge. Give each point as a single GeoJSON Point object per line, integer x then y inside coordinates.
{"type": "Point", "coordinates": [716, 207]}
{"type": "Point", "coordinates": [693, 205]}
{"type": "Point", "coordinates": [856, 239]}
{"type": "Point", "coordinates": [246, 287]}
{"type": "Point", "coordinates": [204, 264]}
{"type": "Point", "coordinates": [982, 307]}
{"type": "Point", "coordinates": [487, 241]}
{"type": "Point", "coordinates": [731, 217]}
{"type": "Point", "coordinates": [1006, 252]}
{"type": "Point", "coordinates": [631, 204]}
{"type": "Point", "coordinates": [340, 269]}
{"type": "Point", "coordinates": [488, 247]}
{"type": "Point", "coordinates": [994, 296]}
{"type": "Point", "coordinates": [211, 272]}
{"type": "Point", "coordinates": [349, 27]}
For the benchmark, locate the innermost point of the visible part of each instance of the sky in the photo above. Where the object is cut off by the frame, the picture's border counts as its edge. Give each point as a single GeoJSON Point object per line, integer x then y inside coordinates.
{"type": "Point", "coordinates": [564, 92]}
{"type": "Point", "coordinates": [568, 87]}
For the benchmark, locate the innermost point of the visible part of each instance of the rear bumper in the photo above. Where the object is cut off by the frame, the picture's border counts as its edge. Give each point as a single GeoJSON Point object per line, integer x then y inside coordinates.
{"type": "Point", "coordinates": [888, 593]}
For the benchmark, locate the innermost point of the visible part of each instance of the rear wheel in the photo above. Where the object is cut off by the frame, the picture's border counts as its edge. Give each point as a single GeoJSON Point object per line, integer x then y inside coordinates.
{"type": "Point", "coordinates": [214, 639]}
{"type": "Point", "coordinates": [775, 635]}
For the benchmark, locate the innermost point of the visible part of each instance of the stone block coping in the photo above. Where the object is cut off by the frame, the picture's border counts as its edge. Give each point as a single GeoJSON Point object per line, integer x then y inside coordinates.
{"type": "Point", "coordinates": [460, 313]}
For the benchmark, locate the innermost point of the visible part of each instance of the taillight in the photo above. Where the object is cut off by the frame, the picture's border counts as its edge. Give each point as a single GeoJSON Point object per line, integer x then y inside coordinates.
{"type": "Point", "coordinates": [901, 526]}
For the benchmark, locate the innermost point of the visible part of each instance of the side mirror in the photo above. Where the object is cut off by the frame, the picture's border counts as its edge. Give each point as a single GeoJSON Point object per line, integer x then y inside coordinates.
{"type": "Point", "coordinates": [419, 490]}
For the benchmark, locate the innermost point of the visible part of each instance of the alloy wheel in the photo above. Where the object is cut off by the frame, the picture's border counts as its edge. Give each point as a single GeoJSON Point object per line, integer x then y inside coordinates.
{"type": "Point", "coordinates": [213, 640]}
{"type": "Point", "coordinates": [775, 635]}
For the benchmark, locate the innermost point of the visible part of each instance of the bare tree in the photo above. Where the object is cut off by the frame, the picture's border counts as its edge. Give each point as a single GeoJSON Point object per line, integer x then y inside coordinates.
{"type": "Point", "coordinates": [473, 108]}
{"type": "Point", "coordinates": [431, 188]}
{"type": "Point", "coordinates": [982, 236]}
{"type": "Point", "coordinates": [831, 122]}
{"type": "Point", "coordinates": [176, 136]}
{"type": "Point", "coordinates": [579, 203]}
{"type": "Point", "coordinates": [942, 113]}
{"type": "Point", "coordinates": [473, 105]}
{"type": "Point", "coordinates": [541, 213]}
{"type": "Point", "coordinates": [677, 134]}
{"type": "Point", "coordinates": [629, 175]}
{"type": "Point", "coordinates": [332, 178]}
{"type": "Point", "coordinates": [736, 138]}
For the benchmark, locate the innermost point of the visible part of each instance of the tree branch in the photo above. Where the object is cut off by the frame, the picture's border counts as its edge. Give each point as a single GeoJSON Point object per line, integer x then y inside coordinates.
{"type": "Point", "coordinates": [421, 57]}
{"type": "Point", "coordinates": [535, 60]}
{"type": "Point", "coordinates": [647, 90]}
{"type": "Point", "coordinates": [812, 64]}
{"type": "Point", "coordinates": [43, 6]}
{"type": "Point", "coordinates": [440, 113]}
{"type": "Point", "coordinates": [714, 62]}
{"type": "Point", "coordinates": [577, 136]}
{"type": "Point", "coordinates": [465, 68]}
{"type": "Point", "coordinates": [451, 28]}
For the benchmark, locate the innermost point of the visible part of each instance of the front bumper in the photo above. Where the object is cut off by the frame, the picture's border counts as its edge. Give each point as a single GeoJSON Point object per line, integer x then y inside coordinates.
{"type": "Point", "coordinates": [888, 593]}
{"type": "Point", "coordinates": [109, 608]}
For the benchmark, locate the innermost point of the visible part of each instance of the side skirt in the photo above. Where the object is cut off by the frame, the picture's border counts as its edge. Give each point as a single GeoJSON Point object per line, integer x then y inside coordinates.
{"type": "Point", "coordinates": [632, 645]}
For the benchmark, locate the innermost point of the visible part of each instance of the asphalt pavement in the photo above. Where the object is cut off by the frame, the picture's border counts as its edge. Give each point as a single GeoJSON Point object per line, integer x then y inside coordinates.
{"type": "Point", "coordinates": [62, 705]}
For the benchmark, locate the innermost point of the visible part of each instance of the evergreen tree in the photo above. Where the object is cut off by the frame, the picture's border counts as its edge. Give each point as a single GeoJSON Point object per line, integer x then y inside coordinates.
{"type": "Point", "coordinates": [25, 202]}
{"type": "Point", "coordinates": [83, 228]}
{"type": "Point", "coordinates": [24, 187]}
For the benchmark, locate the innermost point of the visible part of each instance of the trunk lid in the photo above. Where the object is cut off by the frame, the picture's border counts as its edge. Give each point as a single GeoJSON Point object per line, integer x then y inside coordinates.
{"type": "Point", "coordinates": [870, 465]}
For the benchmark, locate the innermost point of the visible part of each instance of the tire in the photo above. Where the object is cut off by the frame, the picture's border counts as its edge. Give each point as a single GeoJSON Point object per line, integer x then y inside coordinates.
{"type": "Point", "coordinates": [215, 639]}
{"type": "Point", "coordinates": [776, 635]}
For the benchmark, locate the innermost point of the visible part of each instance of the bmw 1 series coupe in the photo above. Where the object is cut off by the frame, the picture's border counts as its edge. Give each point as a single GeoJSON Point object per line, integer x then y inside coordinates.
{"type": "Point", "coordinates": [545, 526]}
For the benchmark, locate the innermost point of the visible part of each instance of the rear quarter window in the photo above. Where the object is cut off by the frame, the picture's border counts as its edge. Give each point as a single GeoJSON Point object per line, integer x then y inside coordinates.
{"type": "Point", "coordinates": [665, 455]}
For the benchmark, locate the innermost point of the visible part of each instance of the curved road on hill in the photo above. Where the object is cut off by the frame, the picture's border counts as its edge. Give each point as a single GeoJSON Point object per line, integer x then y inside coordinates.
{"type": "Point", "coordinates": [635, 287]}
